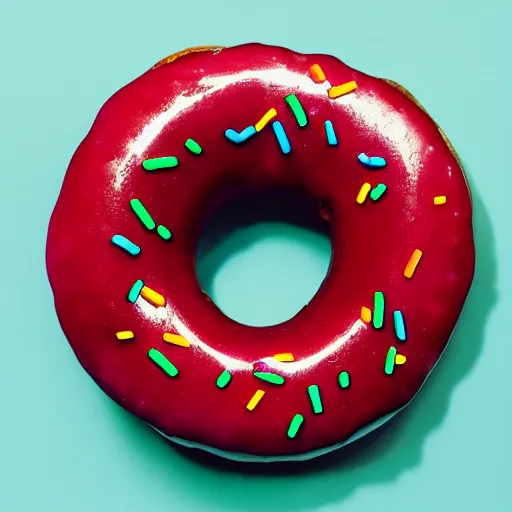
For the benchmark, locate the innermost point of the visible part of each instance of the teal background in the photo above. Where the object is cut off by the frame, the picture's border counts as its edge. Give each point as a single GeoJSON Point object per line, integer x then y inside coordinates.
{"type": "Point", "coordinates": [66, 447]}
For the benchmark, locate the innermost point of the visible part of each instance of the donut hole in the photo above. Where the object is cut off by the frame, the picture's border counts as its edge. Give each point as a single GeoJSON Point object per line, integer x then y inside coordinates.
{"type": "Point", "coordinates": [262, 256]}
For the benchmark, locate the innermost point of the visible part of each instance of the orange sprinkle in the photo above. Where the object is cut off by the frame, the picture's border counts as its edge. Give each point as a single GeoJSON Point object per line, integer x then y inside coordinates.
{"type": "Point", "coordinates": [285, 357]}
{"type": "Point", "coordinates": [340, 90]}
{"type": "Point", "coordinates": [439, 200]}
{"type": "Point", "coordinates": [176, 339]}
{"type": "Point", "coordinates": [265, 119]}
{"type": "Point", "coordinates": [255, 400]}
{"type": "Point", "coordinates": [366, 314]}
{"type": "Point", "coordinates": [413, 263]}
{"type": "Point", "coordinates": [363, 193]}
{"type": "Point", "coordinates": [317, 74]}
{"type": "Point", "coordinates": [151, 296]}
{"type": "Point", "coordinates": [125, 335]}
{"type": "Point", "coordinates": [400, 359]}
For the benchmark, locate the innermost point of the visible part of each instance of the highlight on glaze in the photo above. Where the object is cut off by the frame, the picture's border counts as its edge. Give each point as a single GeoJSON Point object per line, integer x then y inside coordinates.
{"type": "Point", "coordinates": [263, 116]}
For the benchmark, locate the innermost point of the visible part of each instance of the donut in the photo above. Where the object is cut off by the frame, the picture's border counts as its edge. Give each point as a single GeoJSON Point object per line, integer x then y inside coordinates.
{"type": "Point", "coordinates": [212, 123]}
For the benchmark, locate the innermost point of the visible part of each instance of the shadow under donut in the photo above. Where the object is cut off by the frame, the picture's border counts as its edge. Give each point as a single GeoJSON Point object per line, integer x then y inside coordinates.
{"type": "Point", "coordinates": [382, 456]}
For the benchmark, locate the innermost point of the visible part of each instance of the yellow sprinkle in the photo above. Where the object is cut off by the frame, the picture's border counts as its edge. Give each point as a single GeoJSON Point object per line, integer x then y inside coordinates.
{"type": "Point", "coordinates": [176, 339]}
{"type": "Point", "coordinates": [125, 335]}
{"type": "Point", "coordinates": [285, 357]}
{"type": "Point", "coordinates": [363, 193]}
{"type": "Point", "coordinates": [439, 200]}
{"type": "Point", "coordinates": [255, 400]}
{"type": "Point", "coordinates": [151, 296]}
{"type": "Point", "coordinates": [317, 73]}
{"type": "Point", "coordinates": [339, 90]}
{"type": "Point", "coordinates": [366, 314]}
{"type": "Point", "coordinates": [265, 119]}
{"type": "Point", "coordinates": [413, 263]}
{"type": "Point", "coordinates": [400, 359]}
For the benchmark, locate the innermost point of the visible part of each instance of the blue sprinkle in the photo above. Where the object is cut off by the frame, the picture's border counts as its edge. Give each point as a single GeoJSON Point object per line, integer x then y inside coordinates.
{"type": "Point", "coordinates": [126, 244]}
{"type": "Point", "coordinates": [399, 325]}
{"type": "Point", "coordinates": [375, 162]}
{"type": "Point", "coordinates": [238, 138]}
{"type": "Point", "coordinates": [281, 137]}
{"type": "Point", "coordinates": [331, 136]}
{"type": "Point", "coordinates": [135, 290]}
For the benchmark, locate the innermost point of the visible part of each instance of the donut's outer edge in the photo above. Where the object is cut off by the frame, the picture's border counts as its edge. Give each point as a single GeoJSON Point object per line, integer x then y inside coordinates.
{"type": "Point", "coordinates": [379, 422]}
{"type": "Point", "coordinates": [186, 51]}
{"type": "Point", "coordinates": [447, 141]}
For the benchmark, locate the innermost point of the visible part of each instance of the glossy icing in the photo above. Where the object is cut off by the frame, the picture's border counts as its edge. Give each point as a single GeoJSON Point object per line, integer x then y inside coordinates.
{"type": "Point", "coordinates": [199, 96]}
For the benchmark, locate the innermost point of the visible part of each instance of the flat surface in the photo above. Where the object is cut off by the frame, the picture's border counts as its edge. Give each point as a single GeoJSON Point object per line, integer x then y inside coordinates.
{"type": "Point", "coordinates": [64, 446]}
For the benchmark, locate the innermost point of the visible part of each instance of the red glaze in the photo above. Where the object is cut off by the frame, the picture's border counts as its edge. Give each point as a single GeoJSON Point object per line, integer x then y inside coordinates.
{"type": "Point", "coordinates": [199, 96]}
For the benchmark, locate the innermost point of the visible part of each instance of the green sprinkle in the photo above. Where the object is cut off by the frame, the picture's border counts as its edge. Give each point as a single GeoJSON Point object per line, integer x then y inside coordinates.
{"type": "Point", "coordinates": [162, 361]}
{"type": "Point", "coordinates": [390, 361]}
{"type": "Point", "coordinates": [164, 232]}
{"type": "Point", "coordinates": [135, 290]}
{"type": "Point", "coordinates": [295, 424]}
{"type": "Point", "coordinates": [269, 377]}
{"type": "Point", "coordinates": [165, 162]}
{"type": "Point", "coordinates": [297, 109]}
{"type": "Point", "coordinates": [378, 310]}
{"type": "Point", "coordinates": [344, 380]}
{"type": "Point", "coordinates": [193, 146]}
{"type": "Point", "coordinates": [142, 214]}
{"type": "Point", "coordinates": [316, 401]}
{"type": "Point", "coordinates": [377, 192]}
{"type": "Point", "coordinates": [224, 379]}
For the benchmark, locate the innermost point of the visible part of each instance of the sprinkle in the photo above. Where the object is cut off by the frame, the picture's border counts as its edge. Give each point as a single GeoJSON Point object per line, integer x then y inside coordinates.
{"type": "Point", "coordinates": [374, 162]}
{"type": "Point", "coordinates": [400, 359]}
{"type": "Point", "coordinates": [390, 361]}
{"type": "Point", "coordinates": [151, 296]}
{"type": "Point", "coordinates": [193, 147]}
{"type": "Point", "coordinates": [269, 377]}
{"type": "Point", "coordinates": [265, 119]}
{"type": "Point", "coordinates": [331, 136]}
{"type": "Point", "coordinates": [165, 162]}
{"type": "Point", "coordinates": [378, 310]}
{"type": "Point", "coordinates": [176, 339]}
{"type": "Point", "coordinates": [363, 193]}
{"type": "Point", "coordinates": [344, 380]}
{"type": "Point", "coordinates": [297, 109]}
{"type": "Point", "coordinates": [295, 425]}
{"type": "Point", "coordinates": [377, 192]}
{"type": "Point", "coordinates": [280, 134]}
{"type": "Point", "coordinates": [439, 200]}
{"type": "Point", "coordinates": [317, 74]}
{"type": "Point", "coordinates": [399, 325]}
{"type": "Point", "coordinates": [238, 138]}
{"type": "Point", "coordinates": [224, 379]}
{"type": "Point", "coordinates": [285, 357]}
{"type": "Point", "coordinates": [142, 214]}
{"type": "Point", "coordinates": [316, 401]}
{"type": "Point", "coordinates": [413, 263]}
{"type": "Point", "coordinates": [125, 335]}
{"type": "Point", "coordinates": [255, 400]}
{"type": "Point", "coordinates": [135, 290]}
{"type": "Point", "coordinates": [126, 244]}
{"type": "Point", "coordinates": [340, 90]}
{"type": "Point", "coordinates": [164, 232]}
{"type": "Point", "coordinates": [366, 314]}
{"type": "Point", "coordinates": [162, 361]}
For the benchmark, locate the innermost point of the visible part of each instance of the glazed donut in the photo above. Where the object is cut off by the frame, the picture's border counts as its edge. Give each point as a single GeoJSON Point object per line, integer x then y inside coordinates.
{"type": "Point", "coordinates": [211, 123]}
